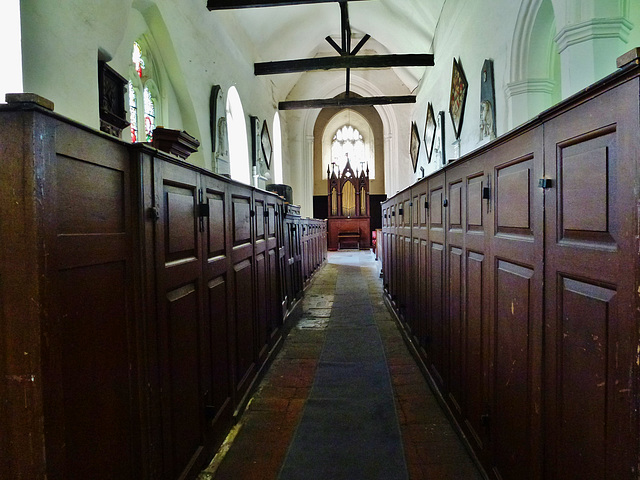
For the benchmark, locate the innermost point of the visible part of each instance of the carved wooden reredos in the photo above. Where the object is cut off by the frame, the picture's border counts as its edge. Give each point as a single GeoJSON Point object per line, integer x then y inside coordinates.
{"type": "Point", "coordinates": [348, 191]}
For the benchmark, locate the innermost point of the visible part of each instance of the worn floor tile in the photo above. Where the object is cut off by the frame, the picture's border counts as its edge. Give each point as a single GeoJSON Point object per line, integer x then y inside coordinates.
{"type": "Point", "coordinates": [433, 451]}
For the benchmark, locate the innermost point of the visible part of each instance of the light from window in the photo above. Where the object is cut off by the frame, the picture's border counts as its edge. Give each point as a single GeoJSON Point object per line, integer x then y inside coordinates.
{"type": "Point", "coordinates": [149, 114]}
{"type": "Point", "coordinates": [138, 61]}
{"type": "Point", "coordinates": [237, 134]}
{"type": "Point", "coordinates": [277, 149]}
{"type": "Point", "coordinates": [133, 113]}
{"type": "Point", "coordinates": [143, 95]}
{"type": "Point", "coordinates": [10, 51]}
{"type": "Point", "coordinates": [348, 144]}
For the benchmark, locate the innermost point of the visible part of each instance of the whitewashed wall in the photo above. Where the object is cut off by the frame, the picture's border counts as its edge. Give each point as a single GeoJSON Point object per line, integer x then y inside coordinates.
{"type": "Point", "coordinates": [194, 48]}
{"type": "Point", "coordinates": [538, 59]}
{"type": "Point", "coordinates": [584, 38]}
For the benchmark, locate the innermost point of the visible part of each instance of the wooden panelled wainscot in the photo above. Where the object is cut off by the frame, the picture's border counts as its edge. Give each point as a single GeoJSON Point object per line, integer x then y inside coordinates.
{"type": "Point", "coordinates": [514, 273]}
{"type": "Point", "coordinates": [140, 299]}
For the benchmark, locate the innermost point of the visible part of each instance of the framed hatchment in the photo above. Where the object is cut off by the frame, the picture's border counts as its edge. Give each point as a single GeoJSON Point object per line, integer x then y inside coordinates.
{"type": "Point", "coordinates": [441, 138]}
{"type": "Point", "coordinates": [256, 149]}
{"type": "Point", "coordinates": [415, 145]}
{"type": "Point", "coordinates": [459, 88]}
{"type": "Point", "coordinates": [429, 131]}
{"type": "Point", "coordinates": [265, 141]}
{"type": "Point", "coordinates": [218, 126]}
{"type": "Point", "coordinates": [487, 102]}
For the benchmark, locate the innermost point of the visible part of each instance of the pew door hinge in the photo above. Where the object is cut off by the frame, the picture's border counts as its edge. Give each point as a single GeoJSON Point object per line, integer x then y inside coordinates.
{"type": "Point", "coordinates": [202, 210]}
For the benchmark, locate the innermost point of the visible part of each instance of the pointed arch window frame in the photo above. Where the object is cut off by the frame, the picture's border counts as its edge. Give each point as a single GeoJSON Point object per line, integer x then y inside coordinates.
{"type": "Point", "coordinates": [355, 119]}
{"type": "Point", "coordinates": [144, 92]}
{"type": "Point", "coordinates": [343, 136]}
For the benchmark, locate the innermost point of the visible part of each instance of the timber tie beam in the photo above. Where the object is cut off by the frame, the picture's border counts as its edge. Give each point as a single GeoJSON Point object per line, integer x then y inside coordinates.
{"type": "Point", "coordinates": [343, 102]}
{"type": "Point", "coordinates": [346, 59]}
{"type": "Point", "coordinates": [232, 4]}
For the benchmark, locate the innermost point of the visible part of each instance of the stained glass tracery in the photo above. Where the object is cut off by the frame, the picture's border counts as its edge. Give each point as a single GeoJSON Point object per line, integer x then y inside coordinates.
{"type": "Point", "coordinates": [142, 112]}
{"type": "Point", "coordinates": [133, 112]}
{"type": "Point", "coordinates": [149, 114]}
{"type": "Point", "coordinates": [137, 59]}
{"type": "Point", "coordinates": [347, 143]}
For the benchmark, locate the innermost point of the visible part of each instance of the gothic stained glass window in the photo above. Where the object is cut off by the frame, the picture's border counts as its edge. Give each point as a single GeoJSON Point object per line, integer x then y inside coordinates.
{"type": "Point", "coordinates": [149, 114]}
{"type": "Point", "coordinates": [138, 61]}
{"type": "Point", "coordinates": [143, 94]}
{"type": "Point", "coordinates": [133, 113]}
{"type": "Point", "coordinates": [348, 142]}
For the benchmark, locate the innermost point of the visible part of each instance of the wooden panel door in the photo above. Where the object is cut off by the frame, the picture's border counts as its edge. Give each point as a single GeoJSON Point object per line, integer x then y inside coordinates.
{"type": "Point", "coordinates": [420, 249]}
{"type": "Point", "coordinates": [394, 261]}
{"type": "Point", "coordinates": [217, 366]}
{"type": "Point", "coordinates": [477, 288]}
{"type": "Point", "coordinates": [274, 251]}
{"type": "Point", "coordinates": [404, 258]}
{"type": "Point", "coordinates": [455, 192]}
{"type": "Point", "coordinates": [386, 266]}
{"type": "Point", "coordinates": [260, 226]}
{"type": "Point", "coordinates": [89, 356]}
{"type": "Point", "coordinates": [242, 271]}
{"type": "Point", "coordinates": [282, 260]}
{"type": "Point", "coordinates": [591, 337]}
{"type": "Point", "coordinates": [437, 334]}
{"type": "Point", "coordinates": [516, 300]}
{"type": "Point", "coordinates": [178, 254]}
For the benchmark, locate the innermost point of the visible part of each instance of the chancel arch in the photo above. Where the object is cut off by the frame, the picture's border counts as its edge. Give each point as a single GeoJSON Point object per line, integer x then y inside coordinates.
{"type": "Point", "coordinates": [368, 122]}
{"type": "Point", "coordinates": [383, 120]}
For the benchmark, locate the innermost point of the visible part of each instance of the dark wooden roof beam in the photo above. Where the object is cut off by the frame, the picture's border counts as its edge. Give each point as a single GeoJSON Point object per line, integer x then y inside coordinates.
{"type": "Point", "coordinates": [230, 4]}
{"type": "Point", "coordinates": [360, 44]}
{"type": "Point", "coordinates": [345, 27]}
{"type": "Point", "coordinates": [344, 61]}
{"type": "Point", "coordinates": [345, 102]}
{"type": "Point", "coordinates": [333, 43]}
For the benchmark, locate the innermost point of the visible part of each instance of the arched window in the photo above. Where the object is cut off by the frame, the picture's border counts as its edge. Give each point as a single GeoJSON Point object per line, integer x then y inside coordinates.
{"type": "Point", "coordinates": [348, 133]}
{"type": "Point", "coordinates": [237, 134]}
{"type": "Point", "coordinates": [143, 95]}
{"type": "Point", "coordinates": [347, 143]}
{"type": "Point", "coordinates": [11, 51]}
{"type": "Point", "coordinates": [149, 111]}
{"type": "Point", "coordinates": [277, 150]}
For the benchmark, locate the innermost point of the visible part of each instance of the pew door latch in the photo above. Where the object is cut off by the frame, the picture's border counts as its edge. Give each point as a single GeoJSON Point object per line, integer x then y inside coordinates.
{"type": "Point", "coordinates": [153, 213]}
{"type": "Point", "coordinates": [486, 193]}
{"type": "Point", "coordinates": [485, 420]}
{"type": "Point", "coordinates": [202, 210]}
{"type": "Point", "coordinates": [545, 183]}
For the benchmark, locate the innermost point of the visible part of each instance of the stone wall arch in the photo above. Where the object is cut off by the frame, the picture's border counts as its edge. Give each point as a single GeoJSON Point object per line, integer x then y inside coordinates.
{"type": "Point", "coordinates": [535, 79]}
{"type": "Point", "coordinates": [304, 178]}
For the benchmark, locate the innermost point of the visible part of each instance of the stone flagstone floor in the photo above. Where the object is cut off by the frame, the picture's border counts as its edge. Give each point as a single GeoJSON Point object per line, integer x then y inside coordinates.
{"type": "Point", "coordinates": [258, 444]}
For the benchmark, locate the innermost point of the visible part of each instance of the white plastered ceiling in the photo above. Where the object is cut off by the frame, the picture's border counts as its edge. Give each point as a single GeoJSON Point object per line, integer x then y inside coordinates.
{"type": "Point", "coordinates": [299, 31]}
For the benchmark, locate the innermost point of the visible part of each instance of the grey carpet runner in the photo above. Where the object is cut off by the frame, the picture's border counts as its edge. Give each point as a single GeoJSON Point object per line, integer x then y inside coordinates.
{"type": "Point", "coordinates": [349, 428]}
